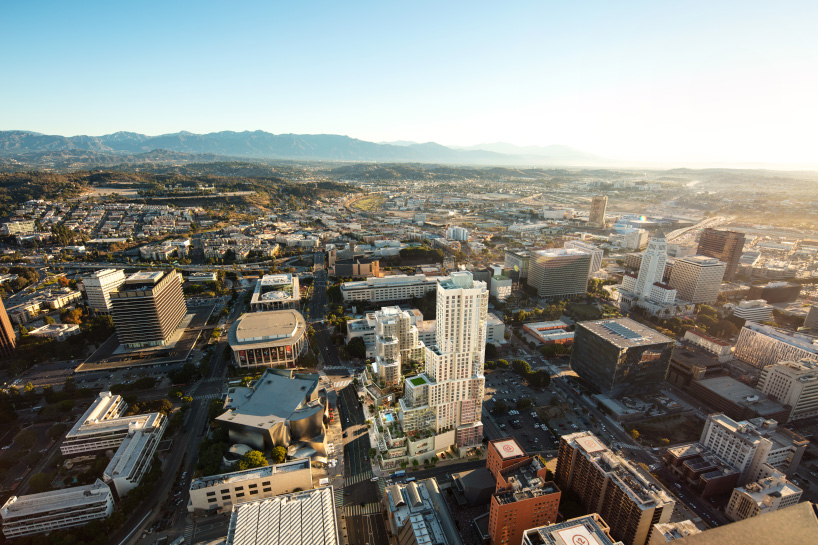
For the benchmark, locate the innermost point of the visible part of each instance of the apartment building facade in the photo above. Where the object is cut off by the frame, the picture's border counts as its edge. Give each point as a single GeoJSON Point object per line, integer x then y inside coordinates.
{"type": "Point", "coordinates": [147, 308]}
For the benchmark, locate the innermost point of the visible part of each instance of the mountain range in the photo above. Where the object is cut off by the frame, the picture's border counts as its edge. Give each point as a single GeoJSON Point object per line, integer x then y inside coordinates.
{"type": "Point", "coordinates": [263, 145]}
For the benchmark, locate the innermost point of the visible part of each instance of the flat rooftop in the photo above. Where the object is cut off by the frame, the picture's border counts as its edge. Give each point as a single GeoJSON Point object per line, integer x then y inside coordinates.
{"type": "Point", "coordinates": [558, 252]}
{"type": "Point", "coordinates": [739, 393]}
{"type": "Point", "coordinates": [587, 530]}
{"type": "Point", "coordinates": [248, 474]}
{"type": "Point", "coordinates": [46, 502]}
{"type": "Point", "coordinates": [508, 448]}
{"type": "Point", "coordinates": [271, 325]}
{"type": "Point", "coordinates": [625, 333]}
{"type": "Point", "coordinates": [301, 517]}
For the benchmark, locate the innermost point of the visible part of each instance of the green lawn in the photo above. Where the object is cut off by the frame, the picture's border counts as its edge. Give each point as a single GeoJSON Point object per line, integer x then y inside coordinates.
{"type": "Point", "coordinates": [417, 381]}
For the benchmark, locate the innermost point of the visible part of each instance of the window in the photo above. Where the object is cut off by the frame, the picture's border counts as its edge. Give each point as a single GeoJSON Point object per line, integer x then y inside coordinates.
{"type": "Point", "coordinates": [211, 493]}
{"type": "Point", "coordinates": [267, 490]}
{"type": "Point", "coordinates": [240, 495]}
{"type": "Point", "coordinates": [211, 500]}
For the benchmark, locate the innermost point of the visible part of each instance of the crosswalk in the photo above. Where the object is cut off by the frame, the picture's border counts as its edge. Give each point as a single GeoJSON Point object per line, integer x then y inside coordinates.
{"type": "Point", "coordinates": [340, 384]}
{"type": "Point", "coordinates": [365, 509]}
{"type": "Point", "coordinates": [208, 396]}
{"type": "Point", "coordinates": [336, 367]}
{"type": "Point", "coordinates": [189, 533]}
{"type": "Point", "coordinates": [339, 498]}
{"type": "Point", "coordinates": [359, 478]}
{"type": "Point", "coordinates": [214, 379]}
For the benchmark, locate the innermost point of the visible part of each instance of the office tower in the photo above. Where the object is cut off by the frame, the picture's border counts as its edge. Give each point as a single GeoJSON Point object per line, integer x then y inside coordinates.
{"type": "Point", "coordinates": [697, 278]}
{"type": "Point", "coordinates": [8, 339]}
{"type": "Point", "coordinates": [518, 262]}
{"type": "Point", "coordinates": [763, 496]}
{"type": "Point", "coordinates": [457, 233]}
{"type": "Point", "coordinates": [652, 266]}
{"type": "Point", "coordinates": [597, 216]}
{"type": "Point", "coordinates": [596, 253]}
{"type": "Point", "coordinates": [559, 272]}
{"type": "Point", "coordinates": [794, 384]}
{"type": "Point", "coordinates": [523, 497]}
{"type": "Point", "coordinates": [754, 311]}
{"type": "Point", "coordinates": [761, 345]}
{"type": "Point", "coordinates": [610, 486]}
{"type": "Point", "coordinates": [586, 530]}
{"type": "Point", "coordinates": [752, 447]}
{"type": "Point", "coordinates": [98, 287]}
{"type": "Point", "coordinates": [725, 246]}
{"type": "Point", "coordinates": [446, 400]}
{"type": "Point", "coordinates": [620, 356]}
{"type": "Point", "coordinates": [147, 308]}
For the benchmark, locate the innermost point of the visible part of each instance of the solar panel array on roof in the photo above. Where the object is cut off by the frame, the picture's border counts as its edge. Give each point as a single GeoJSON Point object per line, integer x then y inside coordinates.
{"type": "Point", "coordinates": [622, 331]}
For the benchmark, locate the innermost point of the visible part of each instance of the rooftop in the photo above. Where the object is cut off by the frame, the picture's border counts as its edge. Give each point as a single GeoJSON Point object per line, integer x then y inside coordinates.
{"type": "Point", "coordinates": [273, 398]}
{"type": "Point", "coordinates": [45, 502]}
{"type": "Point", "coordinates": [625, 333]}
{"type": "Point", "coordinates": [741, 394]}
{"type": "Point", "coordinates": [271, 325]}
{"type": "Point", "coordinates": [587, 530]}
{"type": "Point", "coordinates": [796, 525]}
{"type": "Point", "coordinates": [256, 473]}
{"type": "Point", "coordinates": [301, 517]}
{"type": "Point", "coordinates": [508, 448]}
{"type": "Point", "coordinates": [558, 252]}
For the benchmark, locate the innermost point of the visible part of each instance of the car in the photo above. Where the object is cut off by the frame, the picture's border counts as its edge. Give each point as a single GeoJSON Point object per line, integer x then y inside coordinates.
{"type": "Point", "coordinates": [375, 479]}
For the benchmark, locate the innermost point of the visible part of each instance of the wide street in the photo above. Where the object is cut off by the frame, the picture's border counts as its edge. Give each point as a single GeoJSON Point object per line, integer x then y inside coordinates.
{"type": "Point", "coordinates": [362, 511]}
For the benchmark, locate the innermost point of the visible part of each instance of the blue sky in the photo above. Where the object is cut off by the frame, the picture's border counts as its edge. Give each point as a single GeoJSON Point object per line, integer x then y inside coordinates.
{"type": "Point", "coordinates": [653, 81]}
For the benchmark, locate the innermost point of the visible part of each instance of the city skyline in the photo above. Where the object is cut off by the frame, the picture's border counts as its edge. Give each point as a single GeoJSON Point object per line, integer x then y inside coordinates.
{"type": "Point", "coordinates": [634, 82]}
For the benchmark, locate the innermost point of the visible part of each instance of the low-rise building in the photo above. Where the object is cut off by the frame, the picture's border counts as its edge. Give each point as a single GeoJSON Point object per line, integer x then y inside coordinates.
{"type": "Point", "coordinates": [555, 332]}
{"type": "Point", "coordinates": [133, 458]}
{"type": "Point", "coordinates": [763, 496]}
{"type": "Point", "coordinates": [721, 349]}
{"type": "Point", "coordinates": [300, 517]}
{"type": "Point", "coordinates": [58, 332]}
{"type": "Point", "coordinates": [102, 427]}
{"type": "Point", "coordinates": [670, 531]}
{"type": "Point", "coordinates": [56, 510]}
{"type": "Point", "coordinates": [418, 515]}
{"type": "Point", "coordinates": [495, 331]}
{"type": "Point", "coordinates": [736, 399]}
{"type": "Point", "coordinates": [755, 310]}
{"type": "Point", "coordinates": [276, 292]}
{"type": "Point", "coordinates": [389, 289]}
{"type": "Point", "coordinates": [227, 489]}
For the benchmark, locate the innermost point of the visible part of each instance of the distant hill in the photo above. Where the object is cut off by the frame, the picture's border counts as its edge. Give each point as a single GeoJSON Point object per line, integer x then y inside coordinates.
{"type": "Point", "coordinates": [85, 150]}
{"type": "Point", "coordinates": [555, 152]}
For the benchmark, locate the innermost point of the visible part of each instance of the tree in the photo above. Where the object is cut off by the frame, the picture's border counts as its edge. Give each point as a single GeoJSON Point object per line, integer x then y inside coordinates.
{"type": "Point", "coordinates": [254, 458]}
{"type": "Point", "coordinates": [40, 482]}
{"type": "Point", "coordinates": [26, 439]}
{"type": "Point", "coordinates": [491, 351]}
{"type": "Point", "coordinates": [415, 463]}
{"type": "Point", "coordinates": [356, 348]}
{"type": "Point", "coordinates": [499, 407]}
{"type": "Point", "coordinates": [56, 431]}
{"type": "Point", "coordinates": [278, 454]}
{"type": "Point", "coordinates": [49, 320]}
{"type": "Point", "coordinates": [665, 441]}
{"type": "Point", "coordinates": [635, 434]}
{"type": "Point", "coordinates": [524, 404]}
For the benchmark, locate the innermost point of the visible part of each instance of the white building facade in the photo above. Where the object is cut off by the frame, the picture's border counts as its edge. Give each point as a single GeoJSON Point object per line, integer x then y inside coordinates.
{"type": "Point", "coordinates": [98, 287]}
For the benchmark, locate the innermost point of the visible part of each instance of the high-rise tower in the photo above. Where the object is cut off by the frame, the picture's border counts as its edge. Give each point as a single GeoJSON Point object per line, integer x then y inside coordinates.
{"type": "Point", "coordinates": [597, 216]}
{"type": "Point", "coordinates": [8, 339]}
{"type": "Point", "coordinates": [447, 398]}
{"type": "Point", "coordinates": [653, 265]}
{"type": "Point", "coordinates": [725, 246]}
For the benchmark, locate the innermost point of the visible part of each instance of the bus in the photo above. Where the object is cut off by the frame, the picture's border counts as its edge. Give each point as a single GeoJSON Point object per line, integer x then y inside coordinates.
{"type": "Point", "coordinates": [398, 474]}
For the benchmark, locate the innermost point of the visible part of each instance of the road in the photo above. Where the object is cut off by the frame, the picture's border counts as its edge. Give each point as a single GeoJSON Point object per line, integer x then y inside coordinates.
{"type": "Point", "coordinates": [318, 304]}
{"type": "Point", "coordinates": [362, 511]}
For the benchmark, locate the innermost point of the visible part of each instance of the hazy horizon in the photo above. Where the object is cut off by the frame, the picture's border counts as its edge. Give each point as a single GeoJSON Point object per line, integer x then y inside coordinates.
{"type": "Point", "coordinates": [637, 82]}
